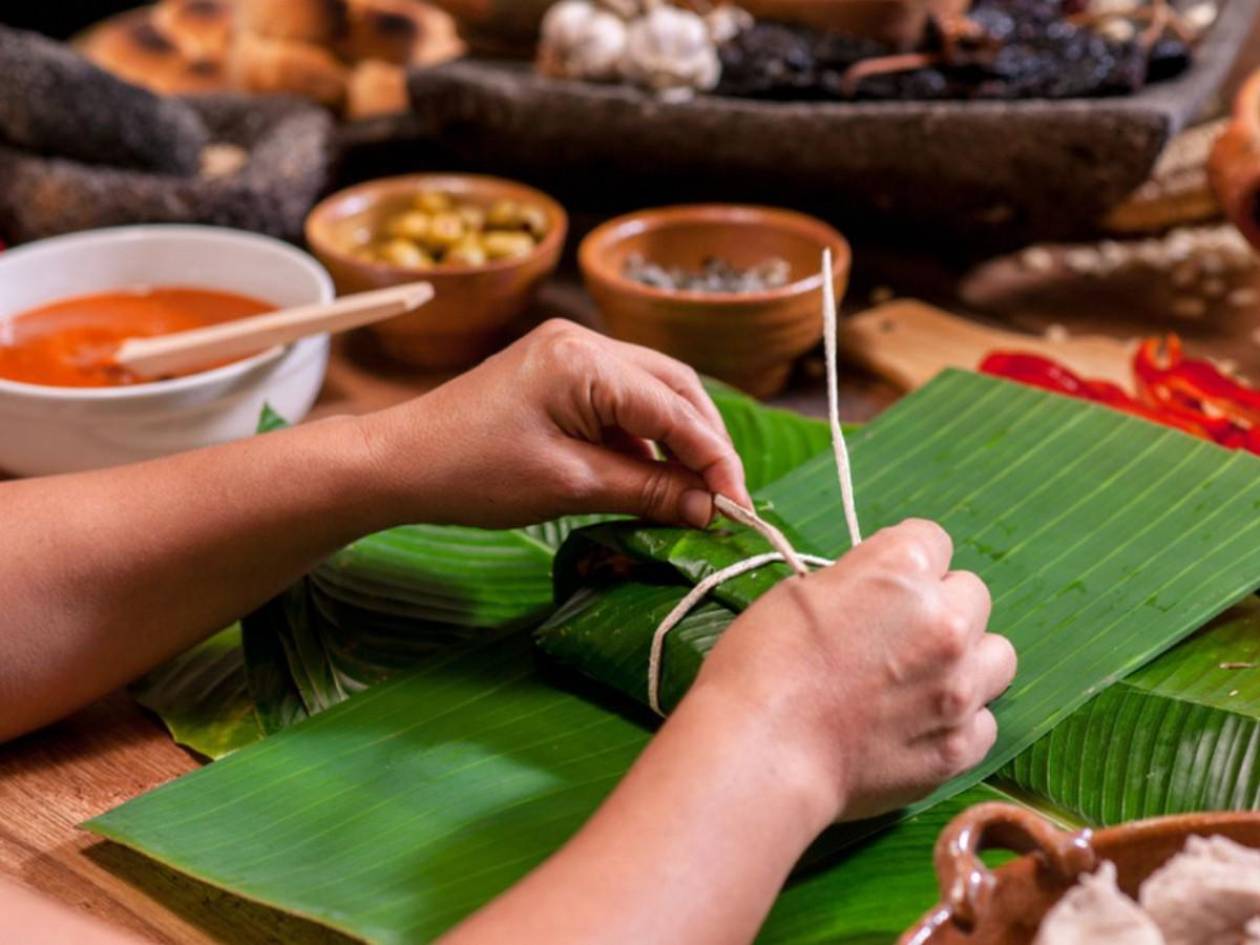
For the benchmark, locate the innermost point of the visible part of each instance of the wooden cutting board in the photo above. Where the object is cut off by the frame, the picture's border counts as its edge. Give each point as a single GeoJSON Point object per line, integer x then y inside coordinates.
{"type": "Point", "coordinates": [910, 342]}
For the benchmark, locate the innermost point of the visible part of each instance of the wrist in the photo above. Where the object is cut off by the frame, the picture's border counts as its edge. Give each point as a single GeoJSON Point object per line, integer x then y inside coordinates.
{"type": "Point", "coordinates": [800, 773]}
{"type": "Point", "coordinates": [392, 458]}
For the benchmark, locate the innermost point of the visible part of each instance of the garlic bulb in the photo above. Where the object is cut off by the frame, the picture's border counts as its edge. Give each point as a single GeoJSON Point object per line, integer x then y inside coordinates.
{"type": "Point", "coordinates": [726, 22]}
{"type": "Point", "coordinates": [582, 41]}
{"type": "Point", "coordinates": [671, 51]}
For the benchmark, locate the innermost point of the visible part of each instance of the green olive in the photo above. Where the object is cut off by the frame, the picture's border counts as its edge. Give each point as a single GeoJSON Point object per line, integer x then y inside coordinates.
{"type": "Point", "coordinates": [413, 225]}
{"type": "Point", "coordinates": [535, 220]}
{"type": "Point", "coordinates": [445, 230]}
{"type": "Point", "coordinates": [500, 245]}
{"type": "Point", "coordinates": [468, 252]}
{"type": "Point", "coordinates": [434, 201]}
{"type": "Point", "coordinates": [404, 253]}
{"type": "Point", "coordinates": [474, 217]}
{"type": "Point", "coordinates": [504, 214]}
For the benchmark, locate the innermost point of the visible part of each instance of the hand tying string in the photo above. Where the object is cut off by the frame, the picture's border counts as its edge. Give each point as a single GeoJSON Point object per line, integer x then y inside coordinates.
{"type": "Point", "coordinates": [783, 550]}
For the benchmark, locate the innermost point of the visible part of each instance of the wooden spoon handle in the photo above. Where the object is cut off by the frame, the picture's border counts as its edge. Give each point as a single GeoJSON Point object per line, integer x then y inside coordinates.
{"type": "Point", "coordinates": [188, 350]}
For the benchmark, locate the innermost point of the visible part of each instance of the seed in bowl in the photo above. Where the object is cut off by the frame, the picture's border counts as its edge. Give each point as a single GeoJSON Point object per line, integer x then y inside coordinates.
{"type": "Point", "coordinates": [716, 275]}
{"type": "Point", "coordinates": [439, 228]}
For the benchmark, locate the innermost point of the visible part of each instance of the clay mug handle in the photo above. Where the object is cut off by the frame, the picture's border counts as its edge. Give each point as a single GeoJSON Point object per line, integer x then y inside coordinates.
{"type": "Point", "coordinates": [967, 885]}
{"type": "Point", "coordinates": [1234, 164]}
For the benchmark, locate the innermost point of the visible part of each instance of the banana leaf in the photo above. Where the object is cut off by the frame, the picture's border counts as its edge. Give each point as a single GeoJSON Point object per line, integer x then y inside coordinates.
{"type": "Point", "coordinates": [396, 813]}
{"type": "Point", "coordinates": [203, 697]}
{"type": "Point", "coordinates": [1180, 735]}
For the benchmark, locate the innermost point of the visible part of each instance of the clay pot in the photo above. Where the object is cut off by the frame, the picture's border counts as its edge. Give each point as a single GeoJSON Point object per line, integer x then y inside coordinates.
{"type": "Point", "coordinates": [1005, 906]}
{"type": "Point", "coordinates": [746, 339]}
{"type": "Point", "coordinates": [899, 23]}
{"type": "Point", "coordinates": [473, 307]}
{"type": "Point", "coordinates": [1234, 165]}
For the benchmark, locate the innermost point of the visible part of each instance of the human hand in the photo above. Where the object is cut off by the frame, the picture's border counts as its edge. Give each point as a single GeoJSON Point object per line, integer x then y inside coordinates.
{"type": "Point", "coordinates": [874, 673]}
{"type": "Point", "coordinates": [559, 423]}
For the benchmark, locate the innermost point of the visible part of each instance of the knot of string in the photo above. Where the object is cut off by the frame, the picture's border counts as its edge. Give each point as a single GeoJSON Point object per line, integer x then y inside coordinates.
{"type": "Point", "coordinates": [783, 550]}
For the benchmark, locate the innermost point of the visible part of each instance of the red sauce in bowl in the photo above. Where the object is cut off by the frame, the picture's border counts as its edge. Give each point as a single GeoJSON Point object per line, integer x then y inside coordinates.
{"type": "Point", "coordinates": [71, 343]}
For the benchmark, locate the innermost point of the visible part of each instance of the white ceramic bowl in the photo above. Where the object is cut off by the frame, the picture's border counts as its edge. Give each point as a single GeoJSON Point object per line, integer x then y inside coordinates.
{"type": "Point", "coordinates": [61, 429]}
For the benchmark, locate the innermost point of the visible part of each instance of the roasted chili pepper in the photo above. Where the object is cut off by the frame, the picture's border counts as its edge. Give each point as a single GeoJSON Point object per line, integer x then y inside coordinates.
{"type": "Point", "coordinates": [1188, 394]}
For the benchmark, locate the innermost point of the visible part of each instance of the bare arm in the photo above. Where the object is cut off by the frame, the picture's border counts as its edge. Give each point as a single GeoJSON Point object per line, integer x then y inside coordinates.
{"type": "Point", "coordinates": [108, 573]}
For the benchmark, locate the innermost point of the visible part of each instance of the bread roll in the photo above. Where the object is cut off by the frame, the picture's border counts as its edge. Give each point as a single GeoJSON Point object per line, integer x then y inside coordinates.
{"type": "Point", "coordinates": [397, 31]}
{"type": "Point", "coordinates": [202, 29]}
{"type": "Point", "coordinates": [132, 48]}
{"type": "Point", "coordinates": [260, 64]}
{"type": "Point", "coordinates": [306, 21]}
{"type": "Point", "coordinates": [376, 88]}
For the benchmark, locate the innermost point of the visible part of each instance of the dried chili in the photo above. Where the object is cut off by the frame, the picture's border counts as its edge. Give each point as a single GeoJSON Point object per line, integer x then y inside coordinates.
{"type": "Point", "coordinates": [1189, 394]}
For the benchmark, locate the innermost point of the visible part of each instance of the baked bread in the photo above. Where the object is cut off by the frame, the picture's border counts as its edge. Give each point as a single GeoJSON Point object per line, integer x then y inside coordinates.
{"type": "Point", "coordinates": [261, 64]}
{"type": "Point", "coordinates": [202, 29]}
{"type": "Point", "coordinates": [320, 22]}
{"type": "Point", "coordinates": [397, 31]}
{"type": "Point", "coordinates": [132, 48]}
{"type": "Point", "coordinates": [376, 88]}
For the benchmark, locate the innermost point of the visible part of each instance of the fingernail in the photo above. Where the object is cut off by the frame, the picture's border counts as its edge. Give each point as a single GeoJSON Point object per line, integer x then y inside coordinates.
{"type": "Point", "coordinates": [697, 508]}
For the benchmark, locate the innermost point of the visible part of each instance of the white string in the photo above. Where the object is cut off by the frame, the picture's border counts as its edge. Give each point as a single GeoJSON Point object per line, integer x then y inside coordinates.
{"type": "Point", "coordinates": [784, 552]}
{"type": "Point", "coordinates": [750, 519]}
{"type": "Point", "coordinates": [694, 596]}
{"type": "Point", "coordinates": [831, 342]}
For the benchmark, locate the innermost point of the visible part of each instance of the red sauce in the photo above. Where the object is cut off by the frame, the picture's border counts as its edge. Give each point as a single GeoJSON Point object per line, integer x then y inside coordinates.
{"type": "Point", "coordinates": [71, 343]}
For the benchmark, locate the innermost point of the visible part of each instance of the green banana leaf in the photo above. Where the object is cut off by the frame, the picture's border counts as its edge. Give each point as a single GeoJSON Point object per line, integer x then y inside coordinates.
{"type": "Point", "coordinates": [203, 697]}
{"type": "Point", "coordinates": [399, 811]}
{"type": "Point", "coordinates": [393, 815]}
{"type": "Point", "coordinates": [1181, 734]}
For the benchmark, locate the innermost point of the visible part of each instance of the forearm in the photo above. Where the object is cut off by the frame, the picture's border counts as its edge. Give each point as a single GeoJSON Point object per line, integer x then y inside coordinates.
{"type": "Point", "coordinates": [693, 846]}
{"type": "Point", "coordinates": [108, 573]}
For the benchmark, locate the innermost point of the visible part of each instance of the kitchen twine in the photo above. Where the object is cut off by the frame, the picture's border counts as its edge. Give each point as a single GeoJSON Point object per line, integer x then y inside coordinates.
{"type": "Point", "coordinates": [783, 550]}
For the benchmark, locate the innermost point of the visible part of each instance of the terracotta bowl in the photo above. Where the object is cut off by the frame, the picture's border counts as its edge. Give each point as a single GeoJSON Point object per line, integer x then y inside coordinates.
{"type": "Point", "coordinates": [746, 339]}
{"type": "Point", "coordinates": [1005, 906]}
{"type": "Point", "coordinates": [473, 307]}
{"type": "Point", "coordinates": [1234, 165]}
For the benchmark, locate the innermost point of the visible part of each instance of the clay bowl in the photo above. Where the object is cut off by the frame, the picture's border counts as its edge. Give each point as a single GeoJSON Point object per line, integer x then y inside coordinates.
{"type": "Point", "coordinates": [1005, 906]}
{"type": "Point", "coordinates": [746, 339]}
{"type": "Point", "coordinates": [1234, 165]}
{"type": "Point", "coordinates": [473, 307]}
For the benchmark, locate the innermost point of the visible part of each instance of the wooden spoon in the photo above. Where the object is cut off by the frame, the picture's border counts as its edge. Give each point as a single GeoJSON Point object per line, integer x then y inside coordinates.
{"type": "Point", "coordinates": [188, 350]}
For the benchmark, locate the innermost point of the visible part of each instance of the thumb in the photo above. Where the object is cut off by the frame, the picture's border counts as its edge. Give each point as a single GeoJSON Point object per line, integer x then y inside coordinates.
{"type": "Point", "coordinates": [665, 492]}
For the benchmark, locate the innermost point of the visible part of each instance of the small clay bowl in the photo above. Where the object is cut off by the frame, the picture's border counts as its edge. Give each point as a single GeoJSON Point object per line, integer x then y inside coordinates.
{"type": "Point", "coordinates": [750, 339]}
{"type": "Point", "coordinates": [1234, 165]}
{"type": "Point", "coordinates": [473, 306]}
{"type": "Point", "coordinates": [1006, 906]}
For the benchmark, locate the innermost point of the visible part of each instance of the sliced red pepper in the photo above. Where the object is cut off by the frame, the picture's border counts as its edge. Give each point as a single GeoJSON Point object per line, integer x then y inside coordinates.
{"type": "Point", "coordinates": [1034, 370]}
{"type": "Point", "coordinates": [1194, 381]}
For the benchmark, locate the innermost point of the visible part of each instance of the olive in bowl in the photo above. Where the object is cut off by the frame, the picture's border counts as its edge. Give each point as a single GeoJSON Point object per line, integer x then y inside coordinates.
{"type": "Point", "coordinates": [485, 243]}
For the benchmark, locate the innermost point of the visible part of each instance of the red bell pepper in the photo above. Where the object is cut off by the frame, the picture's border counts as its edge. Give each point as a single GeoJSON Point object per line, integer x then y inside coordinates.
{"type": "Point", "coordinates": [1189, 394]}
